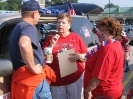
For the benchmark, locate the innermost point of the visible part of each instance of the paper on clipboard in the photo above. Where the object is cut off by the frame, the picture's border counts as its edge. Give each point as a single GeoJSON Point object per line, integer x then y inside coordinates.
{"type": "Point", "coordinates": [66, 67]}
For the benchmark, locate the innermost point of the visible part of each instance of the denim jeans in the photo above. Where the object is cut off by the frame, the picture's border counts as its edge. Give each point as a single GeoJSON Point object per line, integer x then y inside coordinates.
{"type": "Point", "coordinates": [42, 91]}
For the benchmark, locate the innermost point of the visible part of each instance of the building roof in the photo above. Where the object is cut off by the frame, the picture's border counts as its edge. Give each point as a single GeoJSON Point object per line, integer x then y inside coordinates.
{"type": "Point", "coordinates": [118, 10]}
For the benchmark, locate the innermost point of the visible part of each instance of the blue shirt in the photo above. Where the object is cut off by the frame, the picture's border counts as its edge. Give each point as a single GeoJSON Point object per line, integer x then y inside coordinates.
{"type": "Point", "coordinates": [24, 29]}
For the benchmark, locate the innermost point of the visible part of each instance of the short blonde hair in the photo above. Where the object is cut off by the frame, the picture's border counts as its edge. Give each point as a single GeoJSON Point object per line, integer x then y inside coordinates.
{"type": "Point", "coordinates": [63, 15]}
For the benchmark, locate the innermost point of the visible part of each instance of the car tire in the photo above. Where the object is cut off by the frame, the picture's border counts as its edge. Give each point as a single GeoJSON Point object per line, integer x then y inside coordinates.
{"type": "Point", "coordinates": [131, 42]}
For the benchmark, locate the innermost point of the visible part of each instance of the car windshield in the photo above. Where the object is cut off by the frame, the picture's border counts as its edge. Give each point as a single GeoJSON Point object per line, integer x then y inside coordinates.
{"type": "Point", "coordinates": [50, 26]}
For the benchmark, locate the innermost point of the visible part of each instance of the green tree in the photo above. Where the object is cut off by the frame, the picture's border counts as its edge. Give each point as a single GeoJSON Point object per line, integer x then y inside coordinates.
{"type": "Point", "coordinates": [58, 2]}
{"type": "Point", "coordinates": [13, 4]}
{"type": "Point", "coordinates": [3, 5]}
{"type": "Point", "coordinates": [10, 5]}
{"type": "Point", "coordinates": [111, 5]}
{"type": "Point", "coordinates": [47, 3]}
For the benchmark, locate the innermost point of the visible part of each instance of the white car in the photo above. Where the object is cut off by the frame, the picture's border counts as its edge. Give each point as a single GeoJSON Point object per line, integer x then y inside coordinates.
{"type": "Point", "coordinates": [130, 35]}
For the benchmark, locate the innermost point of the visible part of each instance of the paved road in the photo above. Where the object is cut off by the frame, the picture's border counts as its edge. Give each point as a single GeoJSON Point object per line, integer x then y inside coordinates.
{"type": "Point", "coordinates": [128, 77]}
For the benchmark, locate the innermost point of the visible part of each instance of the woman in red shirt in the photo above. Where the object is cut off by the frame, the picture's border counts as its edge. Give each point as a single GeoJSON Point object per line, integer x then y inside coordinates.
{"type": "Point", "coordinates": [104, 67]}
{"type": "Point", "coordinates": [126, 47]}
{"type": "Point", "coordinates": [70, 86]}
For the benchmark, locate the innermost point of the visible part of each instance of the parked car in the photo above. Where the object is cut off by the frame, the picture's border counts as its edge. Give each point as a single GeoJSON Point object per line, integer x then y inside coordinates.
{"type": "Point", "coordinates": [130, 34]}
{"type": "Point", "coordinates": [80, 25]}
{"type": "Point", "coordinates": [129, 30]}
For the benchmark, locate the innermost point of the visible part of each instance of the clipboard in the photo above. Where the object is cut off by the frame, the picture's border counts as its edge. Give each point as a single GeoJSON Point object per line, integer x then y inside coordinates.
{"type": "Point", "coordinates": [65, 66]}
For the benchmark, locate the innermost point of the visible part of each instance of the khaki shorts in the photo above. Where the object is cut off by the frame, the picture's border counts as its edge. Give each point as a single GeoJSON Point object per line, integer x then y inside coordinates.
{"type": "Point", "coordinates": [127, 55]}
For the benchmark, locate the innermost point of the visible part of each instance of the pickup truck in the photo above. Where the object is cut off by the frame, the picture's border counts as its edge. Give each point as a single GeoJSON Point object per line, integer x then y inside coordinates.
{"type": "Point", "coordinates": [80, 25]}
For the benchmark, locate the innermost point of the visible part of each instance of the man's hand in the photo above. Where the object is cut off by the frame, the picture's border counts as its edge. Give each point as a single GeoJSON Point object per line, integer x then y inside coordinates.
{"type": "Point", "coordinates": [37, 69]}
{"type": "Point", "coordinates": [88, 95]}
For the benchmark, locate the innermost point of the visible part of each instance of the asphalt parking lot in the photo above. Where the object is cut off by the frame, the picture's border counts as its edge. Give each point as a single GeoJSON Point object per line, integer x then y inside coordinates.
{"type": "Point", "coordinates": [128, 76]}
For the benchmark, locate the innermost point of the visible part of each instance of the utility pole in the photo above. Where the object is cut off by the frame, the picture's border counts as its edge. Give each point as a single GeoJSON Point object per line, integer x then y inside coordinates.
{"type": "Point", "coordinates": [109, 8]}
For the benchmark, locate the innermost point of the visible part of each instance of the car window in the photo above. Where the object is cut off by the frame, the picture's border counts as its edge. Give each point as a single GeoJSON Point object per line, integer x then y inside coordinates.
{"type": "Point", "coordinates": [125, 28]}
{"type": "Point", "coordinates": [131, 27]}
{"type": "Point", "coordinates": [83, 27]}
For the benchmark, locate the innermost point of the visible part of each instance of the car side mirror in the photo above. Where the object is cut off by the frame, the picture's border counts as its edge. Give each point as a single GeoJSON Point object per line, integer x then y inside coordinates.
{"type": "Point", "coordinates": [6, 67]}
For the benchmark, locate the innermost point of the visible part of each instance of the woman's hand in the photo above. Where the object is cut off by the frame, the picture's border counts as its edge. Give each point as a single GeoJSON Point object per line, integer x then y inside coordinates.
{"type": "Point", "coordinates": [54, 40]}
{"type": "Point", "coordinates": [74, 57]}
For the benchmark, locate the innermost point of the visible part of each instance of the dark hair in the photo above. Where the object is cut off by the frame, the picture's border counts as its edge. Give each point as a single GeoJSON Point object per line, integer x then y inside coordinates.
{"type": "Point", "coordinates": [112, 25]}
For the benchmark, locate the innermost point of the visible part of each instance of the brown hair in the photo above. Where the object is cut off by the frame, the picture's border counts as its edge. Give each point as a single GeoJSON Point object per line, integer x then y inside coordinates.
{"type": "Point", "coordinates": [26, 13]}
{"type": "Point", "coordinates": [112, 25]}
{"type": "Point", "coordinates": [63, 15]}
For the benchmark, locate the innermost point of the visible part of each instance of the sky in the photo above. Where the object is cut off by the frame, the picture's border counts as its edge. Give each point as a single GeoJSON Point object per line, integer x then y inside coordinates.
{"type": "Point", "coordinates": [102, 3]}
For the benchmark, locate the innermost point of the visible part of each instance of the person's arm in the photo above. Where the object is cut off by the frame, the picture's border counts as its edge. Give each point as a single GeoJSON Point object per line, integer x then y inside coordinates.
{"type": "Point", "coordinates": [51, 45]}
{"type": "Point", "coordinates": [94, 82]}
{"type": "Point", "coordinates": [83, 50]}
{"type": "Point", "coordinates": [27, 55]}
{"type": "Point", "coordinates": [128, 41]}
{"type": "Point", "coordinates": [81, 57]}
